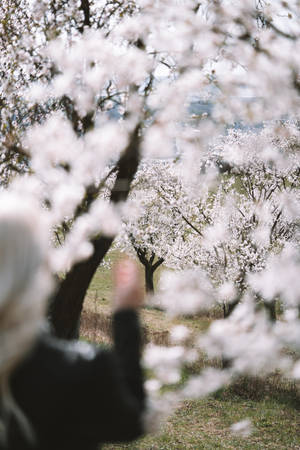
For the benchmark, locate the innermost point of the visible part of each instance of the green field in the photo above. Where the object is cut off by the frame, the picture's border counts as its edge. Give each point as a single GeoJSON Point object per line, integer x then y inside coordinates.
{"type": "Point", "coordinates": [273, 406]}
{"type": "Point", "coordinates": [206, 424]}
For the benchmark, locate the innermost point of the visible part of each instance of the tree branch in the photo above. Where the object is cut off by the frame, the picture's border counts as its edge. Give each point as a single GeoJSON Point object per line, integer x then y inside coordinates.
{"type": "Point", "coordinates": [157, 264]}
{"type": "Point", "coordinates": [85, 8]}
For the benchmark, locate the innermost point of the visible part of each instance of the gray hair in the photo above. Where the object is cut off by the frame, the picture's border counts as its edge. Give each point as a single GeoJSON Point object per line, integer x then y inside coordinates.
{"type": "Point", "coordinates": [24, 285]}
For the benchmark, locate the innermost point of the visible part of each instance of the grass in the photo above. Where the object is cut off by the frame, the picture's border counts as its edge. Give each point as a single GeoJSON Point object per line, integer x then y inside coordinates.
{"type": "Point", "coordinates": [273, 406]}
{"type": "Point", "coordinates": [205, 424]}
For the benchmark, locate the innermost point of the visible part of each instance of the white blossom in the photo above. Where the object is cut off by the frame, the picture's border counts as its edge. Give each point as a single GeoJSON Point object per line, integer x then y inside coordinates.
{"type": "Point", "coordinates": [243, 428]}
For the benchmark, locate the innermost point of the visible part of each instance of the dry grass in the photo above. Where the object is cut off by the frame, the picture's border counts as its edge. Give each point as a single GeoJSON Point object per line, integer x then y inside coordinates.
{"type": "Point", "coordinates": [96, 325]}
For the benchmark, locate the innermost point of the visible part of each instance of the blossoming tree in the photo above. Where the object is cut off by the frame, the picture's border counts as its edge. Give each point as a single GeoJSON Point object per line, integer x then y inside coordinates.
{"type": "Point", "coordinates": [91, 87]}
{"type": "Point", "coordinates": [152, 224]}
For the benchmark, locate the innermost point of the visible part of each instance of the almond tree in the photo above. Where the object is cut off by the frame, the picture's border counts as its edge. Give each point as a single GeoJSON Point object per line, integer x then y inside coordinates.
{"type": "Point", "coordinates": [238, 226]}
{"type": "Point", "coordinates": [151, 227]}
{"type": "Point", "coordinates": [90, 86]}
{"type": "Point", "coordinates": [29, 49]}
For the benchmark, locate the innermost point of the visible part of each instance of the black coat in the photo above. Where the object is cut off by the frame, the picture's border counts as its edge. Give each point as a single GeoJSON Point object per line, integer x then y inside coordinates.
{"type": "Point", "coordinates": [76, 396]}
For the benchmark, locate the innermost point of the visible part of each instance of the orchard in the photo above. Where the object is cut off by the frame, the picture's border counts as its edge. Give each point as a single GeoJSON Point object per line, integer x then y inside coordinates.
{"type": "Point", "coordinates": [171, 130]}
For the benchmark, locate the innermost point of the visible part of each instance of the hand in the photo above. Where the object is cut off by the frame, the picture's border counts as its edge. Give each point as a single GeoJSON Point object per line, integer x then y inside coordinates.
{"type": "Point", "coordinates": [128, 288]}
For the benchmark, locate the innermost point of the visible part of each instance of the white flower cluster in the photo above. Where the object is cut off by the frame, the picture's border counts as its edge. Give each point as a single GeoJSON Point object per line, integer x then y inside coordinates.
{"type": "Point", "coordinates": [213, 89]}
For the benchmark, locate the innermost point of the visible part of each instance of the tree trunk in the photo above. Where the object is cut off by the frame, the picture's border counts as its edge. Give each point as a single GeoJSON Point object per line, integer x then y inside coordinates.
{"type": "Point", "coordinates": [66, 308]}
{"type": "Point", "coordinates": [149, 279]}
{"type": "Point", "coordinates": [271, 308]}
{"type": "Point", "coordinates": [224, 310]}
{"type": "Point", "coordinates": [230, 307]}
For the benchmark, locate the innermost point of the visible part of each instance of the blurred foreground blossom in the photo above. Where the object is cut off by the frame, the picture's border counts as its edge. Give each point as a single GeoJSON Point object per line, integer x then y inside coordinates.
{"type": "Point", "coordinates": [192, 285]}
{"type": "Point", "coordinates": [243, 428]}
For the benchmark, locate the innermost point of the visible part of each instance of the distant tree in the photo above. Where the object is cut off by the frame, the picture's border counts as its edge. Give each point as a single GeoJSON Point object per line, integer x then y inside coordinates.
{"type": "Point", "coordinates": [149, 230]}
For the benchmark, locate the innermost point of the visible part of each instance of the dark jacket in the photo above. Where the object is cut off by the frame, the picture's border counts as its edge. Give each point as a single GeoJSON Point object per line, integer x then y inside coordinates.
{"type": "Point", "coordinates": [77, 396]}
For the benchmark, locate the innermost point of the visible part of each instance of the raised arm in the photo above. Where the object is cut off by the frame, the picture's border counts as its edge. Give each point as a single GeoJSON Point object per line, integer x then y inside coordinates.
{"type": "Point", "coordinates": [121, 373]}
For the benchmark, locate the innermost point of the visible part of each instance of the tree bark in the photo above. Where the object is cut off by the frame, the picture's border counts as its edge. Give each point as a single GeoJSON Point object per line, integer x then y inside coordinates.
{"type": "Point", "coordinates": [271, 308]}
{"type": "Point", "coordinates": [149, 279]}
{"type": "Point", "coordinates": [149, 265]}
{"type": "Point", "coordinates": [66, 306]}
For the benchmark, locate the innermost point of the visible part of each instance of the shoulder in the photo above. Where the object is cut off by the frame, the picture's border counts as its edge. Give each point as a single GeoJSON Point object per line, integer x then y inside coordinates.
{"type": "Point", "coordinates": [54, 365]}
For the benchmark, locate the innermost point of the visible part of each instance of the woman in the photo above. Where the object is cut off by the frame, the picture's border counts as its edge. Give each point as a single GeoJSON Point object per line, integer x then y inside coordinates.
{"type": "Point", "coordinates": [59, 395]}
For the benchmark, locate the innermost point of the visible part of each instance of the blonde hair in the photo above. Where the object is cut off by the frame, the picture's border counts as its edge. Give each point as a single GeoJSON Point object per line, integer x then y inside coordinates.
{"type": "Point", "coordinates": [24, 285]}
